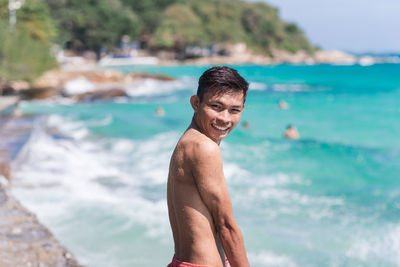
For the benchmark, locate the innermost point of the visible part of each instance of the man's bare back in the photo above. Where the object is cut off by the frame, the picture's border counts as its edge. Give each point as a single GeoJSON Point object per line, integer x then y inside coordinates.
{"type": "Point", "coordinates": [199, 206]}
{"type": "Point", "coordinates": [192, 224]}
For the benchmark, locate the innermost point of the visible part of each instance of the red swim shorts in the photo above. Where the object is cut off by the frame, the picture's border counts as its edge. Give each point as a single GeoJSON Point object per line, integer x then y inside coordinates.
{"type": "Point", "coordinates": [177, 263]}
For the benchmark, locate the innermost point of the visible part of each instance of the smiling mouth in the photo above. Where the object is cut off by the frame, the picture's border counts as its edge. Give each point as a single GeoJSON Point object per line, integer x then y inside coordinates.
{"type": "Point", "coordinates": [220, 128]}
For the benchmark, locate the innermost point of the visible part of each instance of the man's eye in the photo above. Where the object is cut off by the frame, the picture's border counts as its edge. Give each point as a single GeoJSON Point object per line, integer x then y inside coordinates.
{"type": "Point", "coordinates": [215, 106]}
{"type": "Point", "coordinates": [235, 110]}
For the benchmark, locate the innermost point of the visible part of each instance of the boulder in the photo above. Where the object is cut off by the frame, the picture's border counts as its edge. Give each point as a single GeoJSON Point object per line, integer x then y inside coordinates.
{"type": "Point", "coordinates": [133, 76]}
{"type": "Point", "coordinates": [334, 57]}
{"type": "Point", "coordinates": [40, 93]}
{"type": "Point", "coordinates": [100, 95]}
{"type": "Point", "coordinates": [13, 87]}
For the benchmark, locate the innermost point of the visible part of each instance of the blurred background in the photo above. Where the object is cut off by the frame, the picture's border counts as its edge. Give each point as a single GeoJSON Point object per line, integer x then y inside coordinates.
{"type": "Point", "coordinates": [94, 96]}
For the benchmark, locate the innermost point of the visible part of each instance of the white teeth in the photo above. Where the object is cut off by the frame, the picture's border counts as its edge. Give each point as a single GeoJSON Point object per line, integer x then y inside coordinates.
{"type": "Point", "coordinates": [220, 128]}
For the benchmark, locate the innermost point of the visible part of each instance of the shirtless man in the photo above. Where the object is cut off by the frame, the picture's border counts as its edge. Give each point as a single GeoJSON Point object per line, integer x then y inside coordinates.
{"type": "Point", "coordinates": [199, 206]}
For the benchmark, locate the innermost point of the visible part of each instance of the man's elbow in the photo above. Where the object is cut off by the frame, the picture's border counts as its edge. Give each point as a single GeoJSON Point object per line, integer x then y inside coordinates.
{"type": "Point", "coordinates": [227, 227]}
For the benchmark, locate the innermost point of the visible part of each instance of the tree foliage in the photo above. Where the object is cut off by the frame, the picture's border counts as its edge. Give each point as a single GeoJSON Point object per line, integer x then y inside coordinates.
{"type": "Point", "coordinates": [174, 24]}
{"type": "Point", "coordinates": [150, 12]}
{"type": "Point", "coordinates": [207, 22]}
{"type": "Point", "coordinates": [180, 27]}
{"type": "Point", "coordinates": [93, 24]}
{"type": "Point", "coordinates": [25, 52]}
{"type": "Point", "coordinates": [158, 24]}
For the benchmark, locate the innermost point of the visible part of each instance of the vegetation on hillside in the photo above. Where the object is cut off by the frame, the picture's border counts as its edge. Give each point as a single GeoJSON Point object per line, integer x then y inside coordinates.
{"type": "Point", "coordinates": [174, 24]}
{"type": "Point", "coordinates": [156, 24]}
{"type": "Point", "coordinates": [207, 22]}
{"type": "Point", "coordinates": [25, 52]}
{"type": "Point", "coordinates": [92, 24]}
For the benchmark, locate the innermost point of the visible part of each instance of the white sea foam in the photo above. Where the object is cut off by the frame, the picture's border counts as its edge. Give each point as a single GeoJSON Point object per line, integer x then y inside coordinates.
{"type": "Point", "coordinates": [265, 258]}
{"type": "Point", "coordinates": [150, 87]}
{"type": "Point", "coordinates": [291, 88]}
{"type": "Point", "coordinates": [78, 86]}
{"type": "Point", "coordinates": [74, 172]}
{"type": "Point", "coordinates": [249, 190]}
{"type": "Point", "coordinates": [382, 247]}
{"type": "Point", "coordinates": [257, 86]}
{"type": "Point", "coordinates": [69, 127]}
{"type": "Point", "coordinates": [107, 120]}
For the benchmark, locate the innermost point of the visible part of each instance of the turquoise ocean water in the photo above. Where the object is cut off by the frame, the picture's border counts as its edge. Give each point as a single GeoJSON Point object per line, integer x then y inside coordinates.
{"type": "Point", "coordinates": [95, 173]}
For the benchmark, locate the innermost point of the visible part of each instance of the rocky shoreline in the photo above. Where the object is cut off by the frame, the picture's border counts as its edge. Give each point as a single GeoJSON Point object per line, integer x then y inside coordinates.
{"type": "Point", "coordinates": [84, 85]}
{"type": "Point", "coordinates": [24, 241]}
{"type": "Point", "coordinates": [98, 83]}
{"type": "Point", "coordinates": [239, 55]}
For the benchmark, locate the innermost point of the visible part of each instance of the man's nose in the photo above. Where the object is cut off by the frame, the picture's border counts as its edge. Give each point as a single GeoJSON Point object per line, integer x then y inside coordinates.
{"type": "Point", "coordinates": [223, 116]}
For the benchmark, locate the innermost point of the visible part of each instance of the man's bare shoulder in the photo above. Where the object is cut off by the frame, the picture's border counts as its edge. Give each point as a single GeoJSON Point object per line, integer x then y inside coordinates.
{"type": "Point", "coordinates": [197, 146]}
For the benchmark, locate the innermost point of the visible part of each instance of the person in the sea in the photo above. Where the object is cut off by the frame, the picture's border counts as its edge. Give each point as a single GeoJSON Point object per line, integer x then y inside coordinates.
{"type": "Point", "coordinates": [291, 132]}
{"type": "Point", "coordinates": [283, 104]}
{"type": "Point", "coordinates": [246, 125]}
{"type": "Point", "coordinates": [160, 112]}
{"type": "Point", "coordinates": [199, 205]}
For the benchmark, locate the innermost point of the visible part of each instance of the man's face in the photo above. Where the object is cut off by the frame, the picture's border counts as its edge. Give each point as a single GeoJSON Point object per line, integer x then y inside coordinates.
{"type": "Point", "coordinates": [218, 114]}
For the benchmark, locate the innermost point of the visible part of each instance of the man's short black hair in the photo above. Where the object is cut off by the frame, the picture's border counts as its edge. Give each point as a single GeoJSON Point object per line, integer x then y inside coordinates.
{"type": "Point", "coordinates": [221, 80]}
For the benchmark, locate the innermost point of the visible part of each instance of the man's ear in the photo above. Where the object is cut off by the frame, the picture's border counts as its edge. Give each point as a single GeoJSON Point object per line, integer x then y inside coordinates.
{"type": "Point", "coordinates": [195, 102]}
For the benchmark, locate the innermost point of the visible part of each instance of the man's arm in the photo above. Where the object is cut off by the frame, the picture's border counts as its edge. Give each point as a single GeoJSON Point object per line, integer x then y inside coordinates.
{"type": "Point", "coordinates": [209, 177]}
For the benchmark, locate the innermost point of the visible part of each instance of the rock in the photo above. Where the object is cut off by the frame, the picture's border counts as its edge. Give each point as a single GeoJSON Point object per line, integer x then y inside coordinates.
{"type": "Point", "coordinates": [24, 241]}
{"type": "Point", "coordinates": [40, 93]}
{"type": "Point", "coordinates": [160, 77]}
{"type": "Point", "coordinates": [100, 95]}
{"type": "Point", "coordinates": [3, 197]}
{"type": "Point", "coordinates": [87, 85]}
{"type": "Point", "coordinates": [57, 78]}
{"type": "Point", "coordinates": [5, 170]}
{"type": "Point", "coordinates": [334, 57]}
{"type": "Point", "coordinates": [68, 83]}
{"type": "Point", "coordinates": [13, 87]}
{"type": "Point", "coordinates": [280, 56]}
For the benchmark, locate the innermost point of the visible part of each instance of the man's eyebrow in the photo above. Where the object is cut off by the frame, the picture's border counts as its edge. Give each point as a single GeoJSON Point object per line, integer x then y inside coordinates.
{"type": "Point", "coordinates": [240, 106]}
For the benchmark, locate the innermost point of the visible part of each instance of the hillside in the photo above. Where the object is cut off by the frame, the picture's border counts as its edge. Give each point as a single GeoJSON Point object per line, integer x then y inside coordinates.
{"type": "Point", "coordinates": [171, 26]}
{"type": "Point", "coordinates": [174, 24]}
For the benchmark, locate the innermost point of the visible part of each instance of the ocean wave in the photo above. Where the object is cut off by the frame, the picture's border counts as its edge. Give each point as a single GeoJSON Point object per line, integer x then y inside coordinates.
{"type": "Point", "coordinates": [295, 88]}
{"type": "Point", "coordinates": [258, 193]}
{"type": "Point", "coordinates": [377, 247]}
{"type": "Point", "coordinates": [265, 258]}
{"type": "Point", "coordinates": [106, 120]}
{"type": "Point", "coordinates": [78, 86]}
{"type": "Point", "coordinates": [75, 171]}
{"type": "Point", "coordinates": [257, 86]}
{"type": "Point", "coordinates": [152, 87]}
{"type": "Point", "coordinates": [291, 88]}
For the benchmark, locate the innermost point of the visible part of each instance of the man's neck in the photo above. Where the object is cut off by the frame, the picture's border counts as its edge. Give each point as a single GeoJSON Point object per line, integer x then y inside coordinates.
{"type": "Point", "coordinates": [194, 125]}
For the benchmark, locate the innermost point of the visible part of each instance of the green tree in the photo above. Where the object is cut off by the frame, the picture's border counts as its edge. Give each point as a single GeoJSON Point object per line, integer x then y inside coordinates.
{"type": "Point", "coordinates": [34, 17]}
{"type": "Point", "coordinates": [193, 22]}
{"type": "Point", "coordinates": [150, 12]}
{"type": "Point", "coordinates": [25, 53]}
{"type": "Point", "coordinates": [174, 24]}
{"type": "Point", "coordinates": [93, 24]}
{"type": "Point", "coordinates": [295, 39]}
{"type": "Point", "coordinates": [180, 27]}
